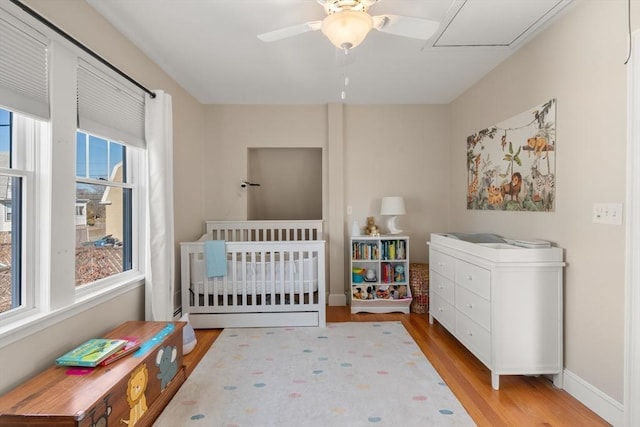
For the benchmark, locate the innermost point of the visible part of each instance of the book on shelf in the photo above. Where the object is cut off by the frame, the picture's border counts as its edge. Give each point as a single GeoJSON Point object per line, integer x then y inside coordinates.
{"type": "Point", "coordinates": [132, 345]}
{"type": "Point", "coordinates": [91, 352]}
{"type": "Point", "coordinates": [363, 251]}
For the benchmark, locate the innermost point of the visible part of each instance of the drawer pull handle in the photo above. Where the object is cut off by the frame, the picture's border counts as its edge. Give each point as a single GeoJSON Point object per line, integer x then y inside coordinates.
{"type": "Point", "coordinates": [470, 333]}
{"type": "Point", "coordinates": [470, 277]}
{"type": "Point", "coordinates": [440, 309]}
{"type": "Point", "coordinates": [469, 305]}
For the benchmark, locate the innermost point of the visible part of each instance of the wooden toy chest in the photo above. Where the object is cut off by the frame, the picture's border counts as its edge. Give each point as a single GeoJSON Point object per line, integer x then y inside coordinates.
{"type": "Point", "coordinates": [131, 391]}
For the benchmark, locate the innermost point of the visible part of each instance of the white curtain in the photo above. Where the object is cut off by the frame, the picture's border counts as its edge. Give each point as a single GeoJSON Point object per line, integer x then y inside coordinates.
{"type": "Point", "coordinates": [160, 247]}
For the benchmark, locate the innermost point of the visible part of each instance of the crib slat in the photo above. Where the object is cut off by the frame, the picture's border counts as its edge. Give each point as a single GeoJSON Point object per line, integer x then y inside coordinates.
{"type": "Point", "coordinates": [254, 266]}
{"type": "Point", "coordinates": [291, 277]}
{"type": "Point", "coordinates": [303, 272]}
{"type": "Point", "coordinates": [298, 285]}
{"type": "Point", "coordinates": [203, 279]}
{"type": "Point", "coordinates": [262, 278]}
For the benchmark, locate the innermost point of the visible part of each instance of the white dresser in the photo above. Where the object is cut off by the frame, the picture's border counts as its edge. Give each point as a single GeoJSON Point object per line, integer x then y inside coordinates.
{"type": "Point", "coordinates": [502, 301]}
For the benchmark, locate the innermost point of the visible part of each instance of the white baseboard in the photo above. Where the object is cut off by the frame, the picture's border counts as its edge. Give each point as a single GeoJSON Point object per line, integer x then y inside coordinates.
{"type": "Point", "coordinates": [609, 409]}
{"type": "Point", "coordinates": [337, 299]}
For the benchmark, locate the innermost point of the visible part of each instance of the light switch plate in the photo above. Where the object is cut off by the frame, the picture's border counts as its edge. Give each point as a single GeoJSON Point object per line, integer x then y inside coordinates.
{"type": "Point", "coordinates": [607, 213]}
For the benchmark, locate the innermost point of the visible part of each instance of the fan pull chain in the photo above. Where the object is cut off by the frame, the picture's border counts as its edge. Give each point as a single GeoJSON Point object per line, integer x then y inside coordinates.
{"type": "Point", "coordinates": [343, 95]}
{"type": "Point", "coordinates": [345, 53]}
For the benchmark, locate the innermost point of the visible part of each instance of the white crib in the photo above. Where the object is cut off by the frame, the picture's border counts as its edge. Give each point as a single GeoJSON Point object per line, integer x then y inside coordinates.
{"type": "Point", "coordinates": [275, 276]}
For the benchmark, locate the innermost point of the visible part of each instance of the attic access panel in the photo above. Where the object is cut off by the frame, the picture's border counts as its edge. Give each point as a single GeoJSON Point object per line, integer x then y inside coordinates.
{"type": "Point", "coordinates": [497, 22]}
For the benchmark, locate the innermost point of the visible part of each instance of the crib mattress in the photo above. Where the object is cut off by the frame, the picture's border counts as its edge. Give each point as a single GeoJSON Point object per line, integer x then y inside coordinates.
{"type": "Point", "coordinates": [290, 276]}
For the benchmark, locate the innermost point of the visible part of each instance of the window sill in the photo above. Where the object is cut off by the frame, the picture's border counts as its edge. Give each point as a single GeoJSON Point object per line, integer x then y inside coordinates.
{"type": "Point", "coordinates": [32, 323]}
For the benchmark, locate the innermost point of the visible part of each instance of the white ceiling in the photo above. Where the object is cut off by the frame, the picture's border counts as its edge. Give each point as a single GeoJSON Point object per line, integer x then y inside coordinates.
{"type": "Point", "coordinates": [210, 47]}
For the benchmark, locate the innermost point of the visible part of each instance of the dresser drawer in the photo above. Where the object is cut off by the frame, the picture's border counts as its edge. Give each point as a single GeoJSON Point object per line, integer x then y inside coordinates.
{"type": "Point", "coordinates": [474, 306]}
{"type": "Point", "coordinates": [474, 337]}
{"type": "Point", "coordinates": [474, 278]}
{"type": "Point", "coordinates": [442, 286]}
{"type": "Point", "coordinates": [441, 263]}
{"type": "Point", "coordinates": [442, 311]}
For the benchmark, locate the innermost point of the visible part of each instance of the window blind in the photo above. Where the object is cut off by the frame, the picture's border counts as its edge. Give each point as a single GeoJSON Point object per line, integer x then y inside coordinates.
{"type": "Point", "coordinates": [23, 69]}
{"type": "Point", "coordinates": [108, 107]}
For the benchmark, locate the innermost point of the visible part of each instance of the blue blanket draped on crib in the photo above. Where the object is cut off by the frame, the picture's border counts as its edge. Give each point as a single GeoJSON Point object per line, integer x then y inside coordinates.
{"type": "Point", "coordinates": [216, 258]}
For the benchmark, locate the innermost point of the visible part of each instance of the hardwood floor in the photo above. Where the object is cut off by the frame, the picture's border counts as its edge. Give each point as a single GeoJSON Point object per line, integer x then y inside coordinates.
{"type": "Point", "coordinates": [521, 400]}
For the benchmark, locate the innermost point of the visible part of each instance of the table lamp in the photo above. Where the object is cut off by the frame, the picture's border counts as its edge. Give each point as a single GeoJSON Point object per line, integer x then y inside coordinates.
{"type": "Point", "coordinates": [393, 206]}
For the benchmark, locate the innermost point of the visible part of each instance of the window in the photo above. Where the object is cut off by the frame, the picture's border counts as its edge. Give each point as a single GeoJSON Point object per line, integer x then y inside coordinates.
{"type": "Point", "coordinates": [7, 289]}
{"type": "Point", "coordinates": [15, 143]}
{"type": "Point", "coordinates": [103, 209]}
{"type": "Point", "coordinates": [71, 212]}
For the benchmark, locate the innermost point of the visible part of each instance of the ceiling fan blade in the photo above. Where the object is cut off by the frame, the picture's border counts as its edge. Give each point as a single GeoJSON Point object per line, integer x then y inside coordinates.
{"type": "Point", "coordinates": [406, 26]}
{"type": "Point", "coordinates": [291, 31]}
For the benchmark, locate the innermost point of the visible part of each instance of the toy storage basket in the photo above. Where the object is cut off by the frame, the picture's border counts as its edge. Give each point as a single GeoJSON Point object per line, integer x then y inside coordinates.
{"type": "Point", "coordinates": [419, 284]}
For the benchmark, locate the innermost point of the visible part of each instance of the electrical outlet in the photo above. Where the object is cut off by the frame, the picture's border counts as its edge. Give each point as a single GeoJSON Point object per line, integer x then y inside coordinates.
{"type": "Point", "coordinates": [607, 213]}
{"type": "Point", "coordinates": [349, 210]}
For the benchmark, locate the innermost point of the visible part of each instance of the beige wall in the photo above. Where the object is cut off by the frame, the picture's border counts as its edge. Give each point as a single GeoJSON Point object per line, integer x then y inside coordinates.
{"type": "Point", "coordinates": [387, 150]}
{"type": "Point", "coordinates": [232, 129]}
{"type": "Point", "coordinates": [403, 151]}
{"type": "Point", "coordinates": [580, 62]}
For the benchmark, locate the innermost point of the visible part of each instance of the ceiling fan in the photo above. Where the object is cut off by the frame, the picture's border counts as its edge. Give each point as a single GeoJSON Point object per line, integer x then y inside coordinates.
{"type": "Point", "coordinates": [347, 24]}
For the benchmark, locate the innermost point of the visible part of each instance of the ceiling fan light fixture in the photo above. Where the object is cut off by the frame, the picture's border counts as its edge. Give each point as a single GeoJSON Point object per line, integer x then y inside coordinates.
{"type": "Point", "coordinates": [347, 29]}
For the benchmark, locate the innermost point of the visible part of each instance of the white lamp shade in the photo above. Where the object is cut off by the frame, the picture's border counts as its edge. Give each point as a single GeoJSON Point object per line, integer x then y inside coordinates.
{"type": "Point", "coordinates": [393, 205]}
{"type": "Point", "coordinates": [347, 29]}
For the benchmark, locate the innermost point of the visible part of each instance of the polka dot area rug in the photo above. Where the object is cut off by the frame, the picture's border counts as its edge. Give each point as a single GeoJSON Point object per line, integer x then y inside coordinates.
{"type": "Point", "coordinates": [347, 374]}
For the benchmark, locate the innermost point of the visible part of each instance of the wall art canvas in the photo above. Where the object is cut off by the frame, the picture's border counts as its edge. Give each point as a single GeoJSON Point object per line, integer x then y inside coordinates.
{"type": "Point", "coordinates": [511, 166]}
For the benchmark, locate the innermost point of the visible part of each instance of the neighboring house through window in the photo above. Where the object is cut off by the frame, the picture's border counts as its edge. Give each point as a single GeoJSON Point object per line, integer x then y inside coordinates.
{"type": "Point", "coordinates": [104, 197]}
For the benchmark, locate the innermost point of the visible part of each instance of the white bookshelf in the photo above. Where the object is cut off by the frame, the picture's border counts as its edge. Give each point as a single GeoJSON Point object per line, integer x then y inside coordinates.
{"type": "Point", "coordinates": [379, 274]}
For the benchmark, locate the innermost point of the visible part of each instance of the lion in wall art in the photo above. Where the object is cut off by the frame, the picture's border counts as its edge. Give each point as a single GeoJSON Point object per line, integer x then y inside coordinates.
{"type": "Point", "coordinates": [511, 166]}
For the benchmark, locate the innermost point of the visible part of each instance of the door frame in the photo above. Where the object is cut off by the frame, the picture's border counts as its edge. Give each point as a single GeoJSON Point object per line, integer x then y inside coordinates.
{"type": "Point", "coordinates": [632, 251]}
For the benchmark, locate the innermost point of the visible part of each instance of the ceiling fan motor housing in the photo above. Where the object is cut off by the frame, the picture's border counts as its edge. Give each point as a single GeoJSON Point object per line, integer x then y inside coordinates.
{"type": "Point", "coordinates": [333, 6]}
